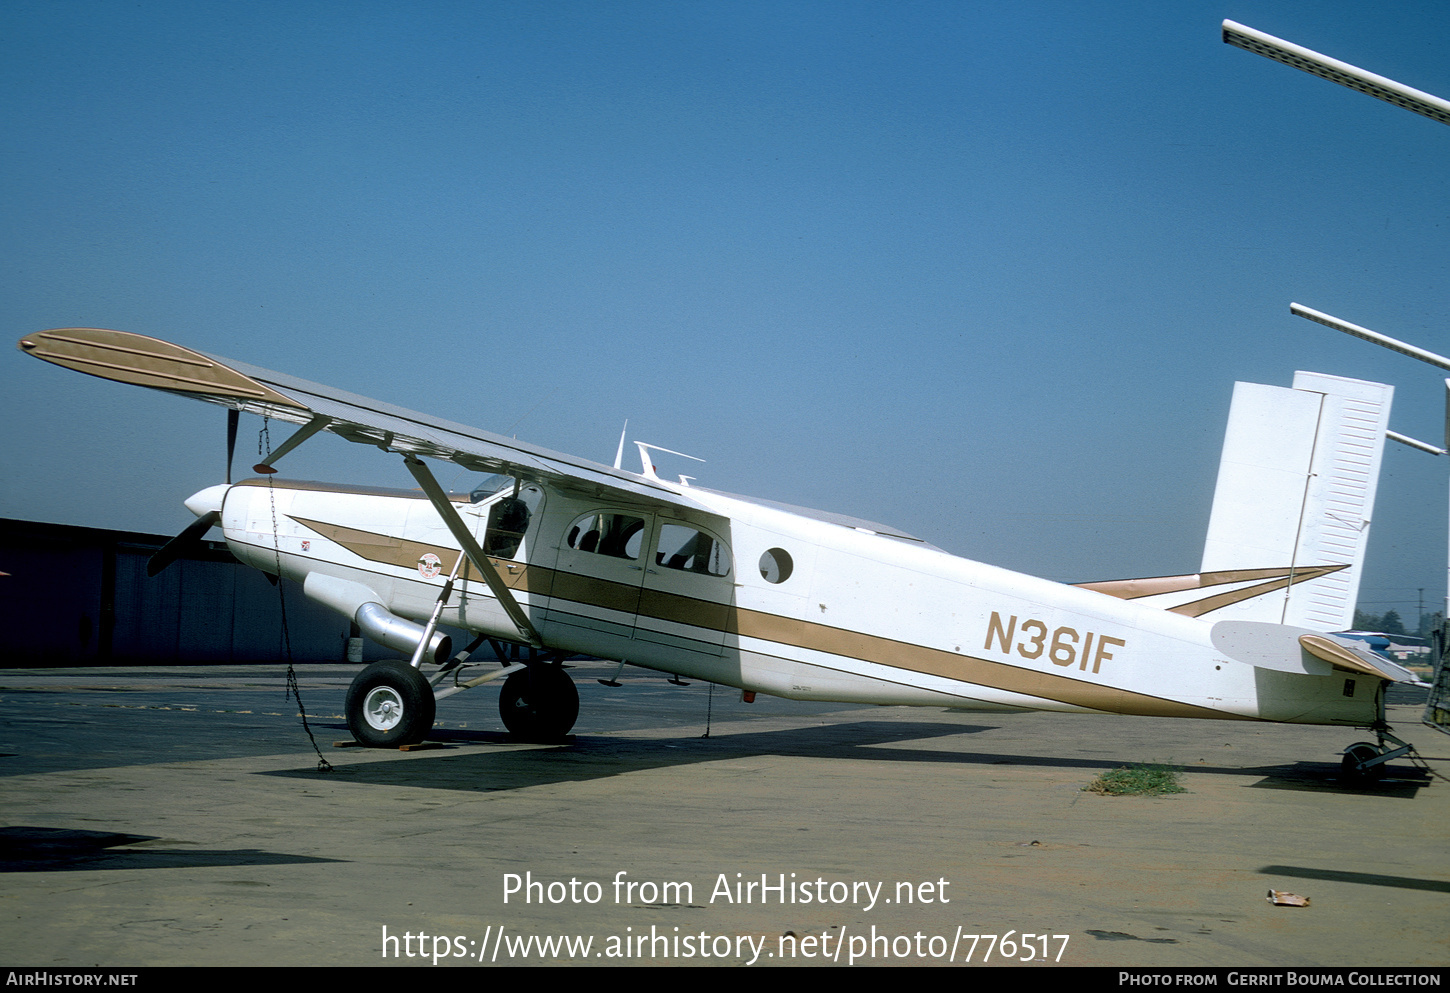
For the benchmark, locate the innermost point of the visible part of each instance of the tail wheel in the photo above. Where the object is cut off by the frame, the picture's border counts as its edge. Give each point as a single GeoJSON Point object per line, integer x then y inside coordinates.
{"type": "Point", "coordinates": [1360, 752]}
{"type": "Point", "coordinates": [539, 703]}
{"type": "Point", "coordinates": [390, 704]}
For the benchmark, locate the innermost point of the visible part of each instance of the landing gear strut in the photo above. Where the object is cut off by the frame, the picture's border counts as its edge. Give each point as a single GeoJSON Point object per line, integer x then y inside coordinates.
{"type": "Point", "coordinates": [389, 704]}
{"type": "Point", "coordinates": [1356, 765]}
{"type": "Point", "coordinates": [539, 703]}
{"type": "Point", "coordinates": [1364, 761]}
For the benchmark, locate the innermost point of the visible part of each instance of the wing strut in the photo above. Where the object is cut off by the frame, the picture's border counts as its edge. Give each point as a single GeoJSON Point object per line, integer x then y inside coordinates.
{"type": "Point", "coordinates": [480, 561]}
{"type": "Point", "coordinates": [318, 422]}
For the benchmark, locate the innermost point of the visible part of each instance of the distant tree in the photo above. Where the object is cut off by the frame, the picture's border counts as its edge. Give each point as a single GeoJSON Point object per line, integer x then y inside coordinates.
{"type": "Point", "coordinates": [1391, 623]}
{"type": "Point", "coordinates": [1366, 622]}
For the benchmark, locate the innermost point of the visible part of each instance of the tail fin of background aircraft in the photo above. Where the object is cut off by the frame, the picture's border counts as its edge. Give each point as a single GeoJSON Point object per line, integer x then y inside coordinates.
{"type": "Point", "coordinates": [1295, 494]}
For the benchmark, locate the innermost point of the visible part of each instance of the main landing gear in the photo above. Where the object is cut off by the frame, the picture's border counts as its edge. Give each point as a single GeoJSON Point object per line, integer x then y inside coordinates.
{"type": "Point", "coordinates": [391, 704]}
{"type": "Point", "coordinates": [539, 703]}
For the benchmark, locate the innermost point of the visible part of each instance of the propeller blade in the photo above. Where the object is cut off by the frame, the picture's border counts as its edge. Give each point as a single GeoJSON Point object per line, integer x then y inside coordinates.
{"type": "Point", "coordinates": [233, 417]}
{"type": "Point", "coordinates": [171, 551]}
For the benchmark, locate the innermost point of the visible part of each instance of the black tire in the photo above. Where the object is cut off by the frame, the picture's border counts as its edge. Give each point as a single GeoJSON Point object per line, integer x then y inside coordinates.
{"type": "Point", "coordinates": [390, 704]}
{"type": "Point", "coordinates": [1360, 751]}
{"type": "Point", "coordinates": [539, 703]}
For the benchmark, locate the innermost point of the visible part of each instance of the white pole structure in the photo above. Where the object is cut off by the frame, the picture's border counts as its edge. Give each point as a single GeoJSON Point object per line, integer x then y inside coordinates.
{"type": "Point", "coordinates": [1335, 71]}
{"type": "Point", "coordinates": [1400, 95]}
{"type": "Point", "coordinates": [1393, 344]}
{"type": "Point", "coordinates": [1409, 442]}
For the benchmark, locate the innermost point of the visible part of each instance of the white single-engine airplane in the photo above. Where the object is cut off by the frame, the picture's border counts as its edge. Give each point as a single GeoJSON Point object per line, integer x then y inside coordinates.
{"type": "Point", "coordinates": [568, 556]}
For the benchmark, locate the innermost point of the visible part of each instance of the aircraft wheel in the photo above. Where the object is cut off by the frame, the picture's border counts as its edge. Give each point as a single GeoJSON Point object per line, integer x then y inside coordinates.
{"type": "Point", "coordinates": [1360, 751]}
{"type": "Point", "coordinates": [390, 704]}
{"type": "Point", "coordinates": [539, 703]}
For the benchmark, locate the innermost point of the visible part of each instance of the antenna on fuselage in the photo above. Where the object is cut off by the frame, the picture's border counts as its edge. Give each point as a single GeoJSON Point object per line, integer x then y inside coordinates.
{"type": "Point", "coordinates": [619, 452]}
{"type": "Point", "coordinates": [647, 467]}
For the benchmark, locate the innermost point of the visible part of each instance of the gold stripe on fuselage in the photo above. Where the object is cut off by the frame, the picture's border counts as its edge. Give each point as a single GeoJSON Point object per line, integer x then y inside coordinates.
{"type": "Point", "coordinates": [1133, 589]}
{"type": "Point", "coordinates": [793, 632]}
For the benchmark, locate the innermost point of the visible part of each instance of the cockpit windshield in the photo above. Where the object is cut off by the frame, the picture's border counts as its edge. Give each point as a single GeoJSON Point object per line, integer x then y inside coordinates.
{"type": "Point", "coordinates": [488, 486]}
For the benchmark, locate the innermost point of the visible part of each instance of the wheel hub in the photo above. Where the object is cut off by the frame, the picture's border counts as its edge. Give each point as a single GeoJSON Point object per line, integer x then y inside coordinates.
{"type": "Point", "coordinates": [383, 708]}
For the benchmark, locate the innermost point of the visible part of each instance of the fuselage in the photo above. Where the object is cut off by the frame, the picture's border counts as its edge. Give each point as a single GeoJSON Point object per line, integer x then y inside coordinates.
{"type": "Point", "coordinates": [764, 599]}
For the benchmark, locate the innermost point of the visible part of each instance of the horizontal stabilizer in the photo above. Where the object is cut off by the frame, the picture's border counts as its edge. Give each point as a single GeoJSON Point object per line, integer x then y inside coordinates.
{"type": "Point", "coordinates": [1286, 648]}
{"type": "Point", "coordinates": [1342, 655]}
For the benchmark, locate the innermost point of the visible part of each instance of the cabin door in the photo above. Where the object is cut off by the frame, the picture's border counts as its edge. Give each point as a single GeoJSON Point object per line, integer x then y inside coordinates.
{"type": "Point", "coordinates": [600, 572]}
{"type": "Point", "coordinates": [688, 588]}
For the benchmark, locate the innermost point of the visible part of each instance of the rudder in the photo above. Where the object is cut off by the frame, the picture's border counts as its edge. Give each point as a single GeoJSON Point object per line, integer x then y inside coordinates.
{"type": "Point", "coordinates": [1296, 489]}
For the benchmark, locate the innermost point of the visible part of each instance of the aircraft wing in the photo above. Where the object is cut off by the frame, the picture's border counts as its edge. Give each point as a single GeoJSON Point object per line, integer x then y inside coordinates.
{"type": "Point", "coordinates": [144, 361]}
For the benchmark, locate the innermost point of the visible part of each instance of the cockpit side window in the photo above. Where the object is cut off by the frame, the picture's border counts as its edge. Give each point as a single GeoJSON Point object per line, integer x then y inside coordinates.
{"type": "Point", "coordinates": [508, 521]}
{"type": "Point", "coordinates": [488, 486]}
{"type": "Point", "coordinates": [617, 535]}
{"type": "Point", "coordinates": [689, 550]}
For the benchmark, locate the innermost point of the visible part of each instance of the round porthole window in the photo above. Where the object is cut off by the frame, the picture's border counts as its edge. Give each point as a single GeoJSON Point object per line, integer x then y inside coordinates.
{"type": "Point", "coordinates": [775, 565]}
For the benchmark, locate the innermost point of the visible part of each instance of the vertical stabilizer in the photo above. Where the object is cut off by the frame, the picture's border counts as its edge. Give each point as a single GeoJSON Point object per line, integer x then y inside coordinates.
{"type": "Point", "coordinates": [1296, 488]}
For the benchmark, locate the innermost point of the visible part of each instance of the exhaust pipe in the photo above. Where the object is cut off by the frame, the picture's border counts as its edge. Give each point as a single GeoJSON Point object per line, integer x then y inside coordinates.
{"type": "Point", "coordinates": [376, 621]}
{"type": "Point", "coordinates": [387, 628]}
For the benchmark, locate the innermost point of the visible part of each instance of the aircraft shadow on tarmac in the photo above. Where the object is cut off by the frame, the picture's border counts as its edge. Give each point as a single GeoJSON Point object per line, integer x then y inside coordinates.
{"type": "Point", "coordinates": [1362, 878]}
{"type": "Point", "coordinates": [586, 757]}
{"type": "Point", "coordinates": [40, 849]}
{"type": "Point", "coordinates": [1401, 782]}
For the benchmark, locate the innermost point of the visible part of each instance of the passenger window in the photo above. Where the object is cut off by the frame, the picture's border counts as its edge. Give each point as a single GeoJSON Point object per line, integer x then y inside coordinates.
{"type": "Point", "coordinates": [776, 565]}
{"type": "Point", "coordinates": [617, 535]}
{"type": "Point", "coordinates": [691, 551]}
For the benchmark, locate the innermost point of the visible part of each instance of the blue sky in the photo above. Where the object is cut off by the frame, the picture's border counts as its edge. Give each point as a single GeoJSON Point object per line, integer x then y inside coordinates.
{"type": "Point", "coordinates": [987, 272]}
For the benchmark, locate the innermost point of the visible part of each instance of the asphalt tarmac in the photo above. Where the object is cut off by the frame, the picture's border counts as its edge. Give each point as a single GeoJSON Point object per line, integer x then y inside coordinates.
{"type": "Point", "coordinates": [177, 816]}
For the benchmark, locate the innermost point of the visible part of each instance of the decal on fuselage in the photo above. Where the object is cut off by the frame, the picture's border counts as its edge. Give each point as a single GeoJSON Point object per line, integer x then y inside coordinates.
{"type": "Point", "coordinates": [1064, 649]}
